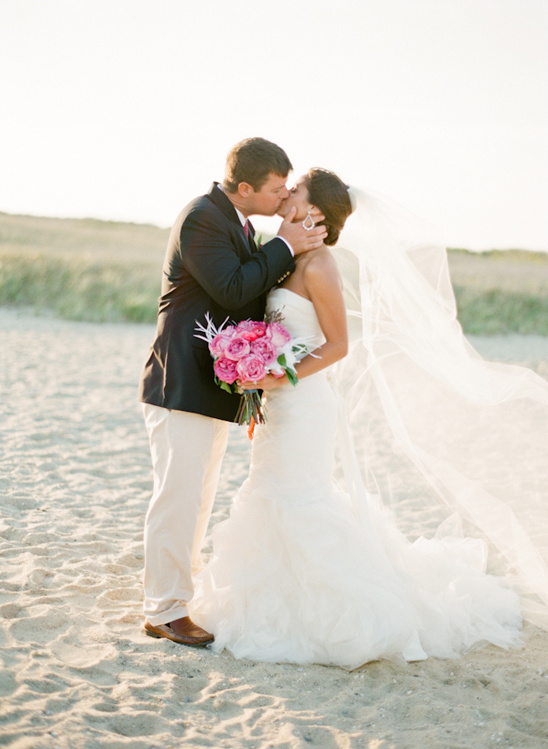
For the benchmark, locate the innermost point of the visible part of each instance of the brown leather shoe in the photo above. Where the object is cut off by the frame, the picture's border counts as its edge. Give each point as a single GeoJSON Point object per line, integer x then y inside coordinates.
{"type": "Point", "coordinates": [183, 631]}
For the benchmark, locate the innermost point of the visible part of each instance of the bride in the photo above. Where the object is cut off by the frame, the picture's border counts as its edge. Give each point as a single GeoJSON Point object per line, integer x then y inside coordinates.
{"type": "Point", "coordinates": [312, 566]}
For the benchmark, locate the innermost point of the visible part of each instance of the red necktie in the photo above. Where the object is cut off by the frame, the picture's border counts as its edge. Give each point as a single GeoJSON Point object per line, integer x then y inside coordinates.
{"type": "Point", "coordinates": [246, 228]}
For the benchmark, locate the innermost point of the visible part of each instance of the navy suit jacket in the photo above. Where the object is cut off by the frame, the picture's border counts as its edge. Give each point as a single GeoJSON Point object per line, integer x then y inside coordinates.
{"type": "Point", "coordinates": [210, 266]}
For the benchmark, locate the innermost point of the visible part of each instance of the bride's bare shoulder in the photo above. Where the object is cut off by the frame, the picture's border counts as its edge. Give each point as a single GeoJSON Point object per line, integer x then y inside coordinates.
{"type": "Point", "coordinates": [321, 268]}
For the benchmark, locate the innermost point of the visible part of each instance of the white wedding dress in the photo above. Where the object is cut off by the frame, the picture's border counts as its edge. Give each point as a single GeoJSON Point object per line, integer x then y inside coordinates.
{"type": "Point", "coordinates": [302, 573]}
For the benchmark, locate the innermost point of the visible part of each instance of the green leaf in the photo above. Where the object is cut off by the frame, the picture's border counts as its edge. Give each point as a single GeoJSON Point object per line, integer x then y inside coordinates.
{"type": "Point", "coordinates": [292, 377]}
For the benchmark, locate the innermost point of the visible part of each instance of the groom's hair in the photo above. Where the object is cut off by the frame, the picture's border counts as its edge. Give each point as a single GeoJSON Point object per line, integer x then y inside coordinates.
{"type": "Point", "coordinates": [252, 161]}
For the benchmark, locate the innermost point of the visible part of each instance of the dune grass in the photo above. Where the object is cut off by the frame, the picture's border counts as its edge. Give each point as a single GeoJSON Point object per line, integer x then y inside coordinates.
{"type": "Point", "coordinates": [93, 291]}
{"type": "Point", "coordinates": [85, 269]}
{"type": "Point", "coordinates": [501, 291]}
{"type": "Point", "coordinates": [81, 269]}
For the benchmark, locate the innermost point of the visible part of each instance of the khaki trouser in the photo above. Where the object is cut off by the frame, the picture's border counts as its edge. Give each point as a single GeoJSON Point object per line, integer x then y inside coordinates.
{"type": "Point", "coordinates": [187, 451]}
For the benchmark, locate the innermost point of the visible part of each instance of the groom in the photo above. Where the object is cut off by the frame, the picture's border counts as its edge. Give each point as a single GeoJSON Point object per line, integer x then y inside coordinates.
{"type": "Point", "coordinates": [212, 265]}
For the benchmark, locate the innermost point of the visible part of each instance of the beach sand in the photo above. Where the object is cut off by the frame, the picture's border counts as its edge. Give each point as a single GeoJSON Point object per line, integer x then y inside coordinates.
{"type": "Point", "coordinates": [77, 669]}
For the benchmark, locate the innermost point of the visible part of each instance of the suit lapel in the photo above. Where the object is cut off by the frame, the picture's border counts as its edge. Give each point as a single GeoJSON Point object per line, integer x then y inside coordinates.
{"type": "Point", "coordinates": [218, 197]}
{"type": "Point", "coordinates": [251, 238]}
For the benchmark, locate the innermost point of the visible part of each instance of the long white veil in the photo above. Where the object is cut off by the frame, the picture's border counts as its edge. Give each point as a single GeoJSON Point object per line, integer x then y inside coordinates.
{"type": "Point", "coordinates": [433, 424]}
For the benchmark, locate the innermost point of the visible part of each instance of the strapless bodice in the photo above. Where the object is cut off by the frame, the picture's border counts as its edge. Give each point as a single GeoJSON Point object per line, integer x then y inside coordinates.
{"type": "Point", "coordinates": [299, 315]}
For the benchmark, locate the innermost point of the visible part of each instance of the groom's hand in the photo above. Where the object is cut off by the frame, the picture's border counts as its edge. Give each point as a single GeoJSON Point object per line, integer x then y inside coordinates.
{"type": "Point", "coordinates": [298, 237]}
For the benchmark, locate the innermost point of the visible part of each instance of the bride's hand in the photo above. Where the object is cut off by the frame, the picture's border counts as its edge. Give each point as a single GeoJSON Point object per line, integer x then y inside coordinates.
{"type": "Point", "coordinates": [267, 383]}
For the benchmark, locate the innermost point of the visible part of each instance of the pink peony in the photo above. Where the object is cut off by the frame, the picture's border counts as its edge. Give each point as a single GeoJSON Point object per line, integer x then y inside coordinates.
{"type": "Point", "coordinates": [264, 348]}
{"type": "Point", "coordinates": [251, 330]}
{"type": "Point", "coordinates": [225, 369]}
{"type": "Point", "coordinates": [278, 334]}
{"type": "Point", "coordinates": [251, 368]}
{"type": "Point", "coordinates": [237, 347]}
{"type": "Point", "coordinates": [220, 342]}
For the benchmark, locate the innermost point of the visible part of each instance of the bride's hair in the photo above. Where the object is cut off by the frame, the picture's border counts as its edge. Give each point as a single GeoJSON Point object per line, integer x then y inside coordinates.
{"type": "Point", "coordinates": [329, 193]}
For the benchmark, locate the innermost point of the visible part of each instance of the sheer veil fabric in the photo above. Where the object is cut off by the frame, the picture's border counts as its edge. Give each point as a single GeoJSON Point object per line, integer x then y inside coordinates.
{"type": "Point", "coordinates": [469, 436]}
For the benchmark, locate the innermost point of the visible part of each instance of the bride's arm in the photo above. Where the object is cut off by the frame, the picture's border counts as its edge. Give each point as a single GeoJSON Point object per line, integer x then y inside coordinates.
{"type": "Point", "coordinates": [323, 286]}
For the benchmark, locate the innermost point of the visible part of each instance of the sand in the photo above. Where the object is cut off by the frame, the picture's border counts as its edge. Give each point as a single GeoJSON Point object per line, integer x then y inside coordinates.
{"type": "Point", "coordinates": [77, 669]}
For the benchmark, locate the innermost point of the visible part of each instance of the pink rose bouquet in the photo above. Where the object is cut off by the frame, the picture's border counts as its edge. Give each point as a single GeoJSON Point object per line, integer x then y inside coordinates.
{"type": "Point", "coordinates": [247, 351]}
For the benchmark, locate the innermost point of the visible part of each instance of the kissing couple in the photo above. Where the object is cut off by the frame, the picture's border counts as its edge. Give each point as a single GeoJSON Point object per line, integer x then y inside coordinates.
{"type": "Point", "coordinates": [312, 566]}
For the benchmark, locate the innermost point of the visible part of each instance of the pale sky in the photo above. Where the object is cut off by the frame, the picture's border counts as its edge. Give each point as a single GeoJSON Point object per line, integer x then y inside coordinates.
{"type": "Point", "coordinates": [125, 109]}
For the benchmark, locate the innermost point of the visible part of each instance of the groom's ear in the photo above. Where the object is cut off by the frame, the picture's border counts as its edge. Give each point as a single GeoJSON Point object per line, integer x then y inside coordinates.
{"type": "Point", "coordinates": [245, 190]}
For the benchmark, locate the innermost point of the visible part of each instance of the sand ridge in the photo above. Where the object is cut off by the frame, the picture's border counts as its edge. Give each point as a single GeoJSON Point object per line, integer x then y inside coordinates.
{"type": "Point", "coordinates": [77, 669]}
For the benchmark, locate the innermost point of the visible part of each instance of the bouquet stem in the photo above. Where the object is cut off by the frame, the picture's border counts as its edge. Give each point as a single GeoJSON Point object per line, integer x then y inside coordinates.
{"type": "Point", "coordinates": [250, 408]}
